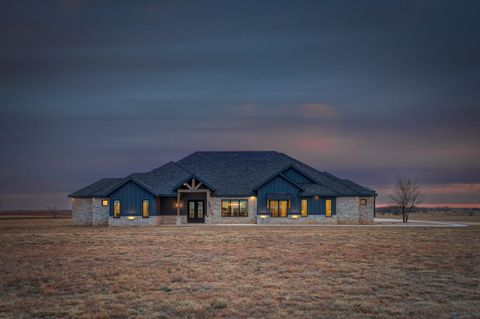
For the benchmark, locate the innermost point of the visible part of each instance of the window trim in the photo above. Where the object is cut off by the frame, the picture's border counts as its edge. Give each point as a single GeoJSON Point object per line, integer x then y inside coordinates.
{"type": "Point", "coordinates": [302, 200]}
{"type": "Point", "coordinates": [148, 210]}
{"type": "Point", "coordinates": [119, 208]}
{"type": "Point", "coordinates": [230, 211]}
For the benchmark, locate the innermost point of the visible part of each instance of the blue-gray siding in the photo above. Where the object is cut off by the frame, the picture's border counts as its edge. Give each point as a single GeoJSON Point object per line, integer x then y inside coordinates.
{"type": "Point", "coordinates": [279, 187]}
{"type": "Point", "coordinates": [296, 176]}
{"type": "Point", "coordinates": [131, 196]}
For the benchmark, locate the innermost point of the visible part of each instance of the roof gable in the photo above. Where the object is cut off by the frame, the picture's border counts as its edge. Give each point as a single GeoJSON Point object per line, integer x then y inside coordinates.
{"type": "Point", "coordinates": [275, 176]}
{"type": "Point", "coordinates": [134, 180]}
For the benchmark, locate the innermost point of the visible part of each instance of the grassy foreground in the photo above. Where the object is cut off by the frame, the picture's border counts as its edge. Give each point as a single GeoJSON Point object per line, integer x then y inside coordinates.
{"type": "Point", "coordinates": [51, 269]}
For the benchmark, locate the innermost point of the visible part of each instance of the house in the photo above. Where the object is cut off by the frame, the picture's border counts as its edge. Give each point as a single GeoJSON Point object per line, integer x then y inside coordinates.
{"type": "Point", "coordinates": [225, 188]}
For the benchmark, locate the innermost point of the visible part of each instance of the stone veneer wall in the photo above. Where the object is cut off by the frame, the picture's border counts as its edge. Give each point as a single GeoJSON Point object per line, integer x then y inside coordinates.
{"type": "Point", "coordinates": [138, 221]}
{"type": "Point", "coordinates": [215, 211]}
{"type": "Point", "coordinates": [310, 219]}
{"type": "Point", "coordinates": [82, 211]}
{"type": "Point", "coordinates": [170, 219]}
{"type": "Point", "coordinates": [89, 212]}
{"type": "Point", "coordinates": [349, 210]}
{"type": "Point", "coordinates": [99, 213]}
{"type": "Point", "coordinates": [365, 212]}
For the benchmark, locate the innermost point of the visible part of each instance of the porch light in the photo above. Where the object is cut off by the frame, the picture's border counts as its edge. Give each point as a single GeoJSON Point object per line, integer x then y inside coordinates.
{"type": "Point", "coordinates": [104, 202]}
{"type": "Point", "coordinates": [131, 217]}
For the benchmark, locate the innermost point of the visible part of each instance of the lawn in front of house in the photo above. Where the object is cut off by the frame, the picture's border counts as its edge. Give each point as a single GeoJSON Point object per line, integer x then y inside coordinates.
{"type": "Point", "coordinates": [52, 269]}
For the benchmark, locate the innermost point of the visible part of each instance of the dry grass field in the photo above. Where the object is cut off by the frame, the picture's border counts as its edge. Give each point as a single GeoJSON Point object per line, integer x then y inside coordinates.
{"type": "Point", "coordinates": [51, 269]}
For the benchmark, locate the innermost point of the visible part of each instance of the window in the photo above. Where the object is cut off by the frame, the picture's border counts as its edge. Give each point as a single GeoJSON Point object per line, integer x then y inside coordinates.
{"type": "Point", "coordinates": [234, 208]}
{"type": "Point", "coordinates": [278, 208]}
{"type": "Point", "coordinates": [104, 202]}
{"type": "Point", "coordinates": [304, 208]}
{"type": "Point", "coordinates": [145, 208]}
{"type": "Point", "coordinates": [328, 208]}
{"type": "Point", "coordinates": [363, 201]}
{"type": "Point", "coordinates": [116, 208]}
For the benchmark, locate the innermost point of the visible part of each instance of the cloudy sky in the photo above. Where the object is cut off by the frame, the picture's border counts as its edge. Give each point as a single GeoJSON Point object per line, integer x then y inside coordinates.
{"type": "Point", "coordinates": [363, 89]}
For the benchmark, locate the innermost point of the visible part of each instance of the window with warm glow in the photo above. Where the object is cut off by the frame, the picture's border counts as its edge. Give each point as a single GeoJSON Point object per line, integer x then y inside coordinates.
{"type": "Point", "coordinates": [363, 201]}
{"type": "Point", "coordinates": [234, 208]}
{"type": "Point", "coordinates": [116, 208]}
{"type": "Point", "coordinates": [328, 208]}
{"type": "Point", "coordinates": [145, 208]}
{"type": "Point", "coordinates": [278, 208]}
{"type": "Point", "coordinates": [304, 208]}
{"type": "Point", "coordinates": [104, 202]}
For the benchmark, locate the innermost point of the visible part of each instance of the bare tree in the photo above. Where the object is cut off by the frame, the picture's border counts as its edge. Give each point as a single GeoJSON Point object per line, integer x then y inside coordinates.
{"type": "Point", "coordinates": [406, 195]}
{"type": "Point", "coordinates": [53, 211]}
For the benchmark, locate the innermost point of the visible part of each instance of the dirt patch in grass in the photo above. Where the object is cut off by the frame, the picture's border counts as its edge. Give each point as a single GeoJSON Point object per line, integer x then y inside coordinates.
{"type": "Point", "coordinates": [51, 269]}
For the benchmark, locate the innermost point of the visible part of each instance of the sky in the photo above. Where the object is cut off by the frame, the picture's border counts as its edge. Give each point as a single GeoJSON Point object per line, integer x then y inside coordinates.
{"type": "Point", "coordinates": [366, 90]}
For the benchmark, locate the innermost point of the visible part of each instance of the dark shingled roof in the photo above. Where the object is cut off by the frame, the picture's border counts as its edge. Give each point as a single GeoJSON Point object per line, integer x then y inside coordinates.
{"type": "Point", "coordinates": [97, 189]}
{"type": "Point", "coordinates": [232, 174]}
{"type": "Point", "coordinates": [164, 178]}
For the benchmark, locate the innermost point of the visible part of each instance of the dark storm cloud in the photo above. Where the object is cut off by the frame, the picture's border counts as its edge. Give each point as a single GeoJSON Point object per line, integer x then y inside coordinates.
{"type": "Point", "coordinates": [364, 89]}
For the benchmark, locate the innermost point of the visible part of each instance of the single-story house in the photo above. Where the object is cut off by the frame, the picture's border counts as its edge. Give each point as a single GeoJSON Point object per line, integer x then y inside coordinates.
{"type": "Point", "coordinates": [225, 188]}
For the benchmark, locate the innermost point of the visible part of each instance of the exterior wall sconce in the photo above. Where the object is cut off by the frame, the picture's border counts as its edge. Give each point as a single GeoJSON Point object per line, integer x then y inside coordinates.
{"type": "Point", "coordinates": [104, 202]}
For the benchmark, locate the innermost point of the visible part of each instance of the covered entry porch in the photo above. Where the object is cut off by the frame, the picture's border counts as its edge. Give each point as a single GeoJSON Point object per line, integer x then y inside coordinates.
{"type": "Point", "coordinates": [193, 197]}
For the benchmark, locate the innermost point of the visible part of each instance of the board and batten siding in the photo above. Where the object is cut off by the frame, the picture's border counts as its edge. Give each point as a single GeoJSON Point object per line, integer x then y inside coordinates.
{"type": "Point", "coordinates": [131, 196]}
{"type": "Point", "coordinates": [316, 205]}
{"type": "Point", "coordinates": [277, 186]}
{"type": "Point", "coordinates": [296, 176]}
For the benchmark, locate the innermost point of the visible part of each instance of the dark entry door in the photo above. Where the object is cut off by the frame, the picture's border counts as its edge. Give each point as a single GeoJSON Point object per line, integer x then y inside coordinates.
{"type": "Point", "coordinates": [196, 211]}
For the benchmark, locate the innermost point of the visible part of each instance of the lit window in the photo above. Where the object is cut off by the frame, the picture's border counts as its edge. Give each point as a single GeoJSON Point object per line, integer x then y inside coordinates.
{"type": "Point", "coordinates": [145, 208]}
{"type": "Point", "coordinates": [328, 208]}
{"type": "Point", "coordinates": [234, 208]}
{"type": "Point", "coordinates": [104, 202]}
{"type": "Point", "coordinates": [363, 201]}
{"type": "Point", "coordinates": [278, 208]}
{"type": "Point", "coordinates": [116, 208]}
{"type": "Point", "coordinates": [304, 208]}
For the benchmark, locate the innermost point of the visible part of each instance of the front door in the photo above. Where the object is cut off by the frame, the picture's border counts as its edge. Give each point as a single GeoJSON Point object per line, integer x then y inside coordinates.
{"type": "Point", "coordinates": [196, 211]}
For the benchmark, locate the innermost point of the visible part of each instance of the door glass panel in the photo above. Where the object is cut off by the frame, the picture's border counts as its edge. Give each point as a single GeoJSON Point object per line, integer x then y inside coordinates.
{"type": "Point", "coordinates": [282, 207]}
{"type": "Point", "coordinates": [200, 209]}
{"type": "Point", "coordinates": [274, 208]}
{"type": "Point", "coordinates": [191, 209]}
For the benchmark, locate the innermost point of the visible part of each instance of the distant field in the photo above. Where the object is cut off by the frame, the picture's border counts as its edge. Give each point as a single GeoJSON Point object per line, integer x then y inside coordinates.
{"type": "Point", "coordinates": [447, 216]}
{"type": "Point", "coordinates": [51, 269]}
{"type": "Point", "coordinates": [34, 214]}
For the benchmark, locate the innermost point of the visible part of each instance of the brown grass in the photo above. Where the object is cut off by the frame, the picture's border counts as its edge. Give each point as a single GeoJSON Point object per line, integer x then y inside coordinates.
{"type": "Point", "coordinates": [51, 269]}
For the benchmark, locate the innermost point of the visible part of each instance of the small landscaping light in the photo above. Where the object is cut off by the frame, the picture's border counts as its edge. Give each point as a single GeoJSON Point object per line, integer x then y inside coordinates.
{"type": "Point", "coordinates": [131, 217]}
{"type": "Point", "coordinates": [263, 216]}
{"type": "Point", "coordinates": [295, 216]}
